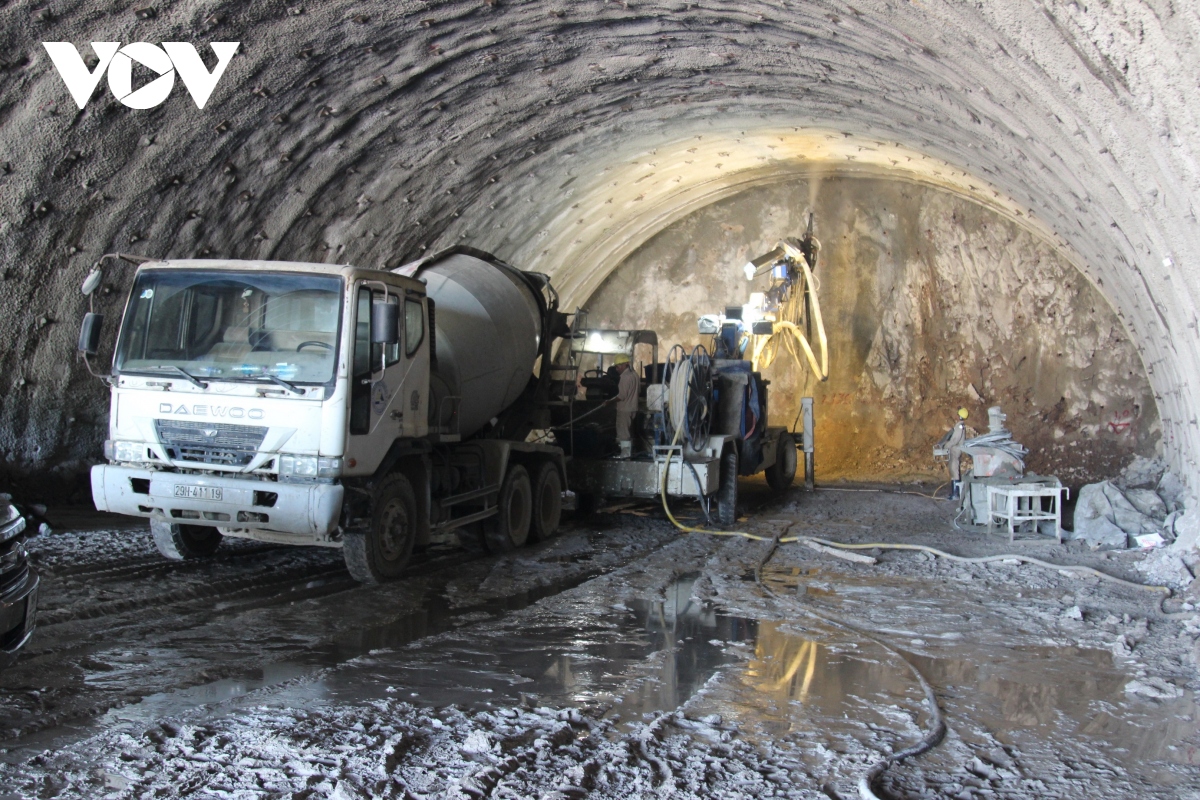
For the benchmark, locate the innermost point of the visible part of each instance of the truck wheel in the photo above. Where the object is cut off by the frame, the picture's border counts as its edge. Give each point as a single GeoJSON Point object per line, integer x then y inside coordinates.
{"type": "Point", "coordinates": [783, 471]}
{"type": "Point", "coordinates": [727, 491]}
{"type": "Point", "coordinates": [547, 503]}
{"type": "Point", "coordinates": [180, 542]}
{"type": "Point", "coordinates": [509, 529]}
{"type": "Point", "coordinates": [382, 553]}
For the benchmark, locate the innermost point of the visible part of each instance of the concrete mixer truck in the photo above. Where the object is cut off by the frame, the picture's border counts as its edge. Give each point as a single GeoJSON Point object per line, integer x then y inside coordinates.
{"type": "Point", "coordinates": [316, 404]}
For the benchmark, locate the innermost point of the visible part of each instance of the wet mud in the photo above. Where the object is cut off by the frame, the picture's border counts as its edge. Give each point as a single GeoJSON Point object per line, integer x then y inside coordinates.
{"type": "Point", "coordinates": [623, 660]}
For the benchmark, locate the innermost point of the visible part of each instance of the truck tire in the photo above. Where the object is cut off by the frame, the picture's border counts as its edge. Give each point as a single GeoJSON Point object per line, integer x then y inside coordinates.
{"type": "Point", "coordinates": [184, 542]}
{"type": "Point", "coordinates": [727, 490]}
{"type": "Point", "coordinates": [382, 552]}
{"type": "Point", "coordinates": [509, 529]}
{"type": "Point", "coordinates": [547, 503]}
{"type": "Point", "coordinates": [781, 474]}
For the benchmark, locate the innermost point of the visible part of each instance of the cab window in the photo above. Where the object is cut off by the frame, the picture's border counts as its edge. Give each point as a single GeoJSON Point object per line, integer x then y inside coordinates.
{"type": "Point", "coordinates": [414, 326]}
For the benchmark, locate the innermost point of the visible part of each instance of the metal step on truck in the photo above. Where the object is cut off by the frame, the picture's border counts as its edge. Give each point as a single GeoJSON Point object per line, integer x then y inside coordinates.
{"type": "Point", "coordinates": [317, 404]}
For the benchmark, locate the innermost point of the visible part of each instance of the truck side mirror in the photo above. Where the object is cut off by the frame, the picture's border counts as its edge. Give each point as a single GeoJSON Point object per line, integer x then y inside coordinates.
{"type": "Point", "coordinates": [385, 323]}
{"type": "Point", "coordinates": [89, 333]}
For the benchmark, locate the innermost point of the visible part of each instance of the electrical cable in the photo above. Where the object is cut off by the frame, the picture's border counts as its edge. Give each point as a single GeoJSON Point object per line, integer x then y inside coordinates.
{"type": "Point", "coordinates": [699, 494]}
{"type": "Point", "coordinates": [937, 723]}
{"type": "Point", "coordinates": [884, 491]}
{"type": "Point", "coordinates": [937, 728]}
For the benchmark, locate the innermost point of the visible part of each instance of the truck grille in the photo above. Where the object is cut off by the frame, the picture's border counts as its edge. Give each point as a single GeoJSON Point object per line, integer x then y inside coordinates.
{"type": "Point", "coordinates": [209, 442]}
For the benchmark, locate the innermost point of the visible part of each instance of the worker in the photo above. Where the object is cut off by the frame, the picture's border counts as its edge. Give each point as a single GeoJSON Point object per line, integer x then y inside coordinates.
{"type": "Point", "coordinates": [627, 404]}
{"type": "Point", "coordinates": [952, 441]}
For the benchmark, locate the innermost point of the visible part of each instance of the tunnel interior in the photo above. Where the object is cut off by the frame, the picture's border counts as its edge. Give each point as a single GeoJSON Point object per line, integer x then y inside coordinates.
{"type": "Point", "coordinates": [1004, 195]}
{"type": "Point", "coordinates": [576, 140]}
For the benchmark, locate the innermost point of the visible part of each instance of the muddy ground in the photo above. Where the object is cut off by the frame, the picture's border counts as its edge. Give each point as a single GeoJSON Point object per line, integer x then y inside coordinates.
{"type": "Point", "coordinates": [620, 660]}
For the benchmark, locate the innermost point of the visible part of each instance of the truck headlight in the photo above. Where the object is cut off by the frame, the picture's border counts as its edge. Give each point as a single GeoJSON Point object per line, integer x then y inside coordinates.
{"type": "Point", "coordinates": [309, 468]}
{"type": "Point", "coordinates": [115, 450]}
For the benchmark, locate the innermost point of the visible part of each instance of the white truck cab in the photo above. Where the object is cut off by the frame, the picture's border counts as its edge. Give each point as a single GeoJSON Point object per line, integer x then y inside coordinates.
{"type": "Point", "coordinates": [243, 392]}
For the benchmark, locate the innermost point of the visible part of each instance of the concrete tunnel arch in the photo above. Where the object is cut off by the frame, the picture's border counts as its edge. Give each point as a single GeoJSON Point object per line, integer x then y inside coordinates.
{"type": "Point", "coordinates": [368, 136]}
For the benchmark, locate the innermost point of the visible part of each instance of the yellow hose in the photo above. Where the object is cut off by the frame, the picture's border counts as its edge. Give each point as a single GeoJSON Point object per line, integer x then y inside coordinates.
{"type": "Point", "coordinates": [790, 334]}
{"type": "Point", "coordinates": [686, 528]}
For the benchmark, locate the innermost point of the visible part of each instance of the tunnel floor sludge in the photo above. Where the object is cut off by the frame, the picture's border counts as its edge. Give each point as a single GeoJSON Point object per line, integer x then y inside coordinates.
{"type": "Point", "coordinates": [548, 672]}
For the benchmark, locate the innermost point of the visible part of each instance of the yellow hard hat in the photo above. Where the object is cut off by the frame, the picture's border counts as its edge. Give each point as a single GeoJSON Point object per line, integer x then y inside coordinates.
{"type": "Point", "coordinates": [962, 413]}
{"type": "Point", "coordinates": [621, 359]}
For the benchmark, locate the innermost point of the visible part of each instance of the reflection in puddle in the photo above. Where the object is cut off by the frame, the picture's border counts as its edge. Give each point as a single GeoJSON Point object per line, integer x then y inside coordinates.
{"type": "Point", "coordinates": [646, 657]}
{"type": "Point", "coordinates": [157, 706]}
{"type": "Point", "coordinates": [1018, 695]}
{"type": "Point", "coordinates": [783, 665]}
{"type": "Point", "coordinates": [685, 642]}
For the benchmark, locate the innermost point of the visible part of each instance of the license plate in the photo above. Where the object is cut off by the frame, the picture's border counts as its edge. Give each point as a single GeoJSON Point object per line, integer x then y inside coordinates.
{"type": "Point", "coordinates": [198, 492]}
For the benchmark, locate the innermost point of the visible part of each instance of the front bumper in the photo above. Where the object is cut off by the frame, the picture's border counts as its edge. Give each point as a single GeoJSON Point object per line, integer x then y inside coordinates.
{"type": "Point", "coordinates": [306, 510]}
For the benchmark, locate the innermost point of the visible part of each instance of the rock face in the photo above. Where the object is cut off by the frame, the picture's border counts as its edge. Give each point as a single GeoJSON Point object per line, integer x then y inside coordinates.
{"type": "Point", "coordinates": [351, 132]}
{"type": "Point", "coordinates": [931, 303]}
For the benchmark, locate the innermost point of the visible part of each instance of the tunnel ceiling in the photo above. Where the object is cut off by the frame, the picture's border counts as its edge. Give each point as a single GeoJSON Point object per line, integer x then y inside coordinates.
{"type": "Point", "coordinates": [563, 135]}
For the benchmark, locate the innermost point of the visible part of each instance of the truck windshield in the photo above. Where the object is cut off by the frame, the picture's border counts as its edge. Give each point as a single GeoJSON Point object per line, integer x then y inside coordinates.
{"type": "Point", "coordinates": [232, 326]}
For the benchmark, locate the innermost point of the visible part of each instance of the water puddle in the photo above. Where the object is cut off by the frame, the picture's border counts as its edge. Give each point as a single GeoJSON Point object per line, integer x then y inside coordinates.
{"type": "Point", "coordinates": [646, 656]}
{"type": "Point", "coordinates": [1017, 695]}
{"type": "Point", "coordinates": [436, 615]}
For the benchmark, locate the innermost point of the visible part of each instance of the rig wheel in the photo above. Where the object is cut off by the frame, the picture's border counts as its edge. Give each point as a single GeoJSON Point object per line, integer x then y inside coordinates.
{"type": "Point", "coordinates": [781, 474]}
{"type": "Point", "coordinates": [727, 490]}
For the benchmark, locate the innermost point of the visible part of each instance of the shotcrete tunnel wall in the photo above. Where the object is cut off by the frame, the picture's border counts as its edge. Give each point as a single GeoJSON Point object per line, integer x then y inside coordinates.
{"type": "Point", "coordinates": [564, 136]}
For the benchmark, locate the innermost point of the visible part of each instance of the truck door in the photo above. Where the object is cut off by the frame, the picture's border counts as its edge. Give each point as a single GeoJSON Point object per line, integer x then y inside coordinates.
{"type": "Point", "coordinates": [414, 323]}
{"type": "Point", "coordinates": [388, 384]}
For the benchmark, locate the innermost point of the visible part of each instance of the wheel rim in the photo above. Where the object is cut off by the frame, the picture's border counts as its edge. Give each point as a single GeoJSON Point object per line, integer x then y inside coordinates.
{"type": "Point", "coordinates": [393, 530]}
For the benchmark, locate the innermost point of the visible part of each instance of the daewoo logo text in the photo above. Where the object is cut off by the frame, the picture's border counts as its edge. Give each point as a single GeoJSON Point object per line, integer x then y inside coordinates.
{"type": "Point", "coordinates": [232, 412]}
{"type": "Point", "coordinates": [172, 57]}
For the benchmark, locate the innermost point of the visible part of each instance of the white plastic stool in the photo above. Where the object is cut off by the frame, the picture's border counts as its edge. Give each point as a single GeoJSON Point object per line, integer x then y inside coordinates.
{"type": "Point", "coordinates": [1022, 503]}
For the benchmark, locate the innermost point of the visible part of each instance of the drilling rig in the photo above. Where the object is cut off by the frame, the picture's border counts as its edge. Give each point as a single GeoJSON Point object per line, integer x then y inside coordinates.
{"type": "Point", "coordinates": [703, 410]}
